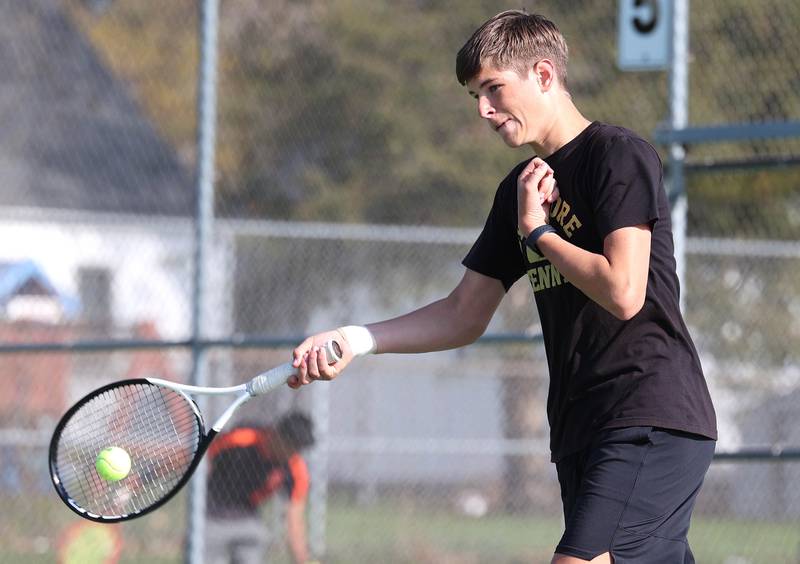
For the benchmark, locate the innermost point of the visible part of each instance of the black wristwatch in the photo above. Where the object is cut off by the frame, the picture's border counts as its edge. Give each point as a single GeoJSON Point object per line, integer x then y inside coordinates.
{"type": "Point", "coordinates": [535, 235]}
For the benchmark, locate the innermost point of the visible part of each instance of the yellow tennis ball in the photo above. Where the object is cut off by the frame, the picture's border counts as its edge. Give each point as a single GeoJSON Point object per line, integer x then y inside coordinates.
{"type": "Point", "coordinates": [113, 464]}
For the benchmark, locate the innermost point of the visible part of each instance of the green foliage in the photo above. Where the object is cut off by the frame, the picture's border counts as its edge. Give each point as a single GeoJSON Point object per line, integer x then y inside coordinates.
{"type": "Point", "coordinates": [350, 111]}
{"type": "Point", "coordinates": [151, 45]}
{"type": "Point", "coordinates": [369, 126]}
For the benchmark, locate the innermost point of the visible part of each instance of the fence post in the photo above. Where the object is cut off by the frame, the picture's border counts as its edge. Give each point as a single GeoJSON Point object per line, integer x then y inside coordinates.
{"type": "Point", "coordinates": [679, 119]}
{"type": "Point", "coordinates": [206, 122]}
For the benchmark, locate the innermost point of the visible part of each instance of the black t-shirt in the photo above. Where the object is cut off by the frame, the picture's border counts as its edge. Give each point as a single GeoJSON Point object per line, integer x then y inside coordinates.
{"type": "Point", "coordinates": [604, 372]}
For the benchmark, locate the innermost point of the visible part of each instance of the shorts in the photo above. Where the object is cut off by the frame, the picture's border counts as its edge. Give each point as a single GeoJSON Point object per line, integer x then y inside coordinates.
{"type": "Point", "coordinates": [631, 493]}
{"type": "Point", "coordinates": [242, 540]}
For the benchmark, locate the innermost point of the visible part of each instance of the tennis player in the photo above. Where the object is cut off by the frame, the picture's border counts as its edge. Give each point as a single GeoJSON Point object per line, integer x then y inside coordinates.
{"type": "Point", "coordinates": [249, 465]}
{"type": "Point", "coordinates": [587, 220]}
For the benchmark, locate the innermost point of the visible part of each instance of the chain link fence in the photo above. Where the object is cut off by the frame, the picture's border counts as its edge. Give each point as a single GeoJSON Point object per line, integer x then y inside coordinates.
{"type": "Point", "coordinates": [352, 175]}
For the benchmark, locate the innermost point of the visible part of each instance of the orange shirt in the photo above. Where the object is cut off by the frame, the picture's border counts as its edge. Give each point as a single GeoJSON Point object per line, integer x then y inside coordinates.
{"type": "Point", "coordinates": [245, 471]}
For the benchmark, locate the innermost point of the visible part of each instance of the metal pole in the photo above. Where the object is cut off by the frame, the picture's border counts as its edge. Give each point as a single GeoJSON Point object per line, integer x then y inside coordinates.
{"type": "Point", "coordinates": [679, 119]}
{"type": "Point", "coordinates": [206, 121]}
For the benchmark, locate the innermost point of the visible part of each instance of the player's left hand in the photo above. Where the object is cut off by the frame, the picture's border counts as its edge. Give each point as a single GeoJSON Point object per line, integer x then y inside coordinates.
{"type": "Point", "coordinates": [536, 191]}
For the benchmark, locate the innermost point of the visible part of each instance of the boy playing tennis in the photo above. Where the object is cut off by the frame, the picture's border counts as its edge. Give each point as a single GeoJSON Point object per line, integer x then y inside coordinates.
{"type": "Point", "coordinates": [632, 424]}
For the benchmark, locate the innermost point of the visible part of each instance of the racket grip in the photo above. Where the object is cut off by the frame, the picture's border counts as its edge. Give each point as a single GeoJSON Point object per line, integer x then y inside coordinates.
{"type": "Point", "coordinates": [278, 376]}
{"type": "Point", "coordinates": [270, 379]}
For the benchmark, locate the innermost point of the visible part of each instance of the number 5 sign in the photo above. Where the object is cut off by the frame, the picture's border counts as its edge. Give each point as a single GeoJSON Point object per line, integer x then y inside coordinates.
{"type": "Point", "coordinates": [645, 33]}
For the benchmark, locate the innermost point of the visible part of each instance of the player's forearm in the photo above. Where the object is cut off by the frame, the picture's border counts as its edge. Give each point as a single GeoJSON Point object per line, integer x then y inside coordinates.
{"type": "Point", "coordinates": [296, 534]}
{"type": "Point", "coordinates": [454, 321]}
{"type": "Point", "coordinates": [299, 552]}
{"type": "Point", "coordinates": [614, 289]}
{"type": "Point", "coordinates": [435, 327]}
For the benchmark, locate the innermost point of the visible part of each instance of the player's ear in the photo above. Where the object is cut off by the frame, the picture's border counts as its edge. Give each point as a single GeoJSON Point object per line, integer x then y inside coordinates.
{"type": "Point", "coordinates": [544, 73]}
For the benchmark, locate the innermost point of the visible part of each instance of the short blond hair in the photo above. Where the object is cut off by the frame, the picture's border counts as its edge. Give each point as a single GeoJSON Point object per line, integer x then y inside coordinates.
{"type": "Point", "coordinates": [513, 40]}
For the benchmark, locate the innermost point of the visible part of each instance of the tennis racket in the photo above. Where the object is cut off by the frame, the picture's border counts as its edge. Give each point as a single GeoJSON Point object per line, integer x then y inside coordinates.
{"type": "Point", "coordinates": [160, 428]}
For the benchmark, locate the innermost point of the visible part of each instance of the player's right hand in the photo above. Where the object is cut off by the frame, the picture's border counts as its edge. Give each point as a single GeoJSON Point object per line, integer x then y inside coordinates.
{"type": "Point", "coordinates": [312, 362]}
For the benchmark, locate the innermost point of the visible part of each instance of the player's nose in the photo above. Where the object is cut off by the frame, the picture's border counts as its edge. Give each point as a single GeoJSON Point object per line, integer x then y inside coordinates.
{"type": "Point", "coordinates": [485, 109]}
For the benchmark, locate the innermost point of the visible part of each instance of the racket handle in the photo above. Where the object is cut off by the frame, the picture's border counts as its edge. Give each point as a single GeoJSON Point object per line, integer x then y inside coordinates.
{"type": "Point", "coordinates": [278, 376]}
{"type": "Point", "coordinates": [270, 379]}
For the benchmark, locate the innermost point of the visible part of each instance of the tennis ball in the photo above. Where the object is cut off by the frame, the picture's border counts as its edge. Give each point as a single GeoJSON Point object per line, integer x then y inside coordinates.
{"type": "Point", "coordinates": [113, 464]}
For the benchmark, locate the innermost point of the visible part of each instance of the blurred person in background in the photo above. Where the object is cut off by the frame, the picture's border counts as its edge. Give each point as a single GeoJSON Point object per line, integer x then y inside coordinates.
{"type": "Point", "coordinates": [248, 465]}
{"type": "Point", "coordinates": [587, 220]}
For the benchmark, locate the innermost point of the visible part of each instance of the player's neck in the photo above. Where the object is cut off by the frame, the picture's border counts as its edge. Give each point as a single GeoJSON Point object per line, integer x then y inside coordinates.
{"type": "Point", "coordinates": [568, 124]}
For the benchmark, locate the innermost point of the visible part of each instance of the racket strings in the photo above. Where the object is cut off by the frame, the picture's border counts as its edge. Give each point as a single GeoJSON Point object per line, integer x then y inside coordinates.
{"type": "Point", "coordinates": [158, 428]}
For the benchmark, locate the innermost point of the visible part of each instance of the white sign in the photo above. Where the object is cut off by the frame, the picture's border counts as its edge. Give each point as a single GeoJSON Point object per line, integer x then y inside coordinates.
{"type": "Point", "coordinates": [645, 34]}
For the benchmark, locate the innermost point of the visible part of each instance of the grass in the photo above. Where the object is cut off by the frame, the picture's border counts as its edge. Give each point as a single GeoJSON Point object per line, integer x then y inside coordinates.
{"type": "Point", "coordinates": [393, 534]}
{"type": "Point", "coordinates": [388, 534]}
{"type": "Point", "coordinates": [729, 541]}
{"type": "Point", "coordinates": [402, 531]}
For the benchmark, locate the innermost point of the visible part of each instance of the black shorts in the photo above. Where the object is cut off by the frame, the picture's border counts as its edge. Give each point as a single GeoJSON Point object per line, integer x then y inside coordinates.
{"type": "Point", "coordinates": [631, 493]}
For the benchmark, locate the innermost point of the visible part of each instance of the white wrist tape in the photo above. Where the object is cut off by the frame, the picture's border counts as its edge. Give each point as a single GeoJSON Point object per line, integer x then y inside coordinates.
{"type": "Point", "coordinates": [360, 339]}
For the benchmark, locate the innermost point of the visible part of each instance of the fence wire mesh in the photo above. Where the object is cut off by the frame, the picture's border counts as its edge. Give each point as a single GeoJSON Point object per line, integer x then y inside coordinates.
{"type": "Point", "coordinates": [352, 175]}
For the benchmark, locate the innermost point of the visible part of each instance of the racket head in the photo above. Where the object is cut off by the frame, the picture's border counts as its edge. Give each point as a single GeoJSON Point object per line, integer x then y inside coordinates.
{"type": "Point", "coordinates": [162, 431]}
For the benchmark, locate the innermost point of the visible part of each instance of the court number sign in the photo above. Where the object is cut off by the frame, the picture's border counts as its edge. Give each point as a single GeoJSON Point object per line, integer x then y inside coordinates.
{"type": "Point", "coordinates": [645, 32]}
